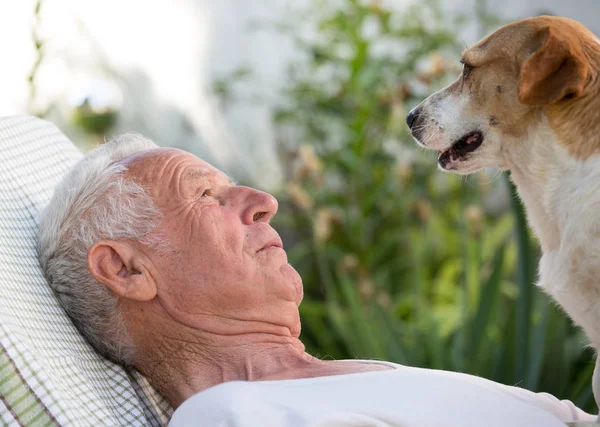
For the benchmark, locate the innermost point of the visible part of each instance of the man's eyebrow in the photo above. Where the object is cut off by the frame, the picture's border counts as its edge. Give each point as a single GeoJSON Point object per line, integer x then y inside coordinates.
{"type": "Point", "coordinates": [196, 174]}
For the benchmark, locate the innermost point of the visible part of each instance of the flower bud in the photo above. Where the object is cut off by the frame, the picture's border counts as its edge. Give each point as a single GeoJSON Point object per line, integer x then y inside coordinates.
{"type": "Point", "coordinates": [474, 218]}
{"type": "Point", "coordinates": [366, 288]}
{"type": "Point", "coordinates": [299, 196]}
{"type": "Point", "coordinates": [349, 262]}
{"type": "Point", "coordinates": [403, 172]}
{"type": "Point", "coordinates": [323, 224]}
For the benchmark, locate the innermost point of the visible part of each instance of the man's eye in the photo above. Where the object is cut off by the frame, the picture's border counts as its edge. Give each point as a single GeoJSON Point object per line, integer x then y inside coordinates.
{"type": "Point", "coordinates": [206, 193]}
{"type": "Point", "coordinates": [466, 70]}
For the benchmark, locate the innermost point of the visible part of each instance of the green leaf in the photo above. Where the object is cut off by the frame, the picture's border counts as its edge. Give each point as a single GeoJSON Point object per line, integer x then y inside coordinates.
{"type": "Point", "coordinates": [483, 316]}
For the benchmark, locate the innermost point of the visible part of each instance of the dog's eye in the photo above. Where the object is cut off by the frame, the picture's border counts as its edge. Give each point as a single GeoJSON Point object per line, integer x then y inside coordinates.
{"type": "Point", "coordinates": [466, 70]}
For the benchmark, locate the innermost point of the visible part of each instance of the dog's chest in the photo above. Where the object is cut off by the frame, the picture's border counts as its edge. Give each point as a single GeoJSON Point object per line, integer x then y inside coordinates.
{"type": "Point", "coordinates": [570, 269]}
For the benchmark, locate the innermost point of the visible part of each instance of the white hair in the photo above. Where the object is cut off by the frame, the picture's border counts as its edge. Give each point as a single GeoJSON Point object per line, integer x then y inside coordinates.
{"type": "Point", "coordinates": [94, 201]}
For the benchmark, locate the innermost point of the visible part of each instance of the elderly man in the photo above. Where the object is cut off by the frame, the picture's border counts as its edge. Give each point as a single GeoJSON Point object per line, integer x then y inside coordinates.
{"type": "Point", "coordinates": [166, 265]}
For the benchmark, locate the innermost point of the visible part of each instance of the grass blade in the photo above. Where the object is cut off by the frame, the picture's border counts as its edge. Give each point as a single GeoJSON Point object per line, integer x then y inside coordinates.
{"type": "Point", "coordinates": [525, 269]}
{"type": "Point", "coordinates": [482, 317]}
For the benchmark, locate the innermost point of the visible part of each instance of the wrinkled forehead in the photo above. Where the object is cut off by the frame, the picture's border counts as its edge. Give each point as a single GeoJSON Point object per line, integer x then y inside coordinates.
{"type": "Point", "coordinates": [163, 164]}
{"type": "Point", "coordinates": [169, 172]}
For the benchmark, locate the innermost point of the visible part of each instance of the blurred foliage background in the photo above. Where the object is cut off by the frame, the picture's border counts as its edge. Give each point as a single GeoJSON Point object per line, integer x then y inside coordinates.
{"type": "Point", "coordinates": [400, 261]}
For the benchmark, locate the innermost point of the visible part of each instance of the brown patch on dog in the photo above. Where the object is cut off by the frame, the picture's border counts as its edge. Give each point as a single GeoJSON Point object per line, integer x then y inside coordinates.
{"type": "Point", "coordinates": [558, 67]}
{"type": "Point", "coordinates": [492, 84]}
{"type": "Point", "coordinates": [561, 74]}
{"type": "Point", "coordinates": [577, 126]}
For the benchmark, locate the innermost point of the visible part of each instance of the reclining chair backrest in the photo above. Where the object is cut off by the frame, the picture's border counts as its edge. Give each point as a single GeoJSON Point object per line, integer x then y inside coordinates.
{"type": "Point", "coordinates": [48, 372]}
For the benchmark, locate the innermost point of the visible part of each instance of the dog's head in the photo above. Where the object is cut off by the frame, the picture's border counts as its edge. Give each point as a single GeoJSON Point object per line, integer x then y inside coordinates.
{"type": "Point", "coordinates": [531, 73]}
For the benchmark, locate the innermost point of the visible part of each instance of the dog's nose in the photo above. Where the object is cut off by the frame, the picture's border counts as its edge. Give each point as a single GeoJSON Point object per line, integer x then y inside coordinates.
{"type": "Point", "coordinates": [412, 117]}
{"type": "Point", "coordinates": [414, 120]}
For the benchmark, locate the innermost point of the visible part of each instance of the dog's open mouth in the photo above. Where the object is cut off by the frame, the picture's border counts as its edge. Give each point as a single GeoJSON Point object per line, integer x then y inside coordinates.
{"type": "Point", "coordinates": [461, 148]}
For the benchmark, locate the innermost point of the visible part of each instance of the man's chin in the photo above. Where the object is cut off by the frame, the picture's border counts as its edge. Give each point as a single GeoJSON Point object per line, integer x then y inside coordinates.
{"type": "Point", "coordinates": [293, 280]}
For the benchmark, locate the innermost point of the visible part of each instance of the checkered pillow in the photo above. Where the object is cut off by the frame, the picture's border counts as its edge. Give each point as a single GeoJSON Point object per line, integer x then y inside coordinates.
{"type": "Point", "coordinates": [49, 375]}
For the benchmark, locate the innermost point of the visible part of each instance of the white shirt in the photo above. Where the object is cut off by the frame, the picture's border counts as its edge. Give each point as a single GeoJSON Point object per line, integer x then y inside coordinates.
{"type": "Point", "coordinates": [403, 396]}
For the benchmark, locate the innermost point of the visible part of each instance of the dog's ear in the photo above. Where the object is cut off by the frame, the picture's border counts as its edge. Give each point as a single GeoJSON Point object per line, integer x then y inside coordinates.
{"type": "Point", "coordinates": [555, 69]}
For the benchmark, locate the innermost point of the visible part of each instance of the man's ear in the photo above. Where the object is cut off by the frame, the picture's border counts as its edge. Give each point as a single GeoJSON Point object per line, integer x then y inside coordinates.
{"type": "Point", "coordinates": [123, 269]}
{"type": "Point", "coordinates": [555, 70]}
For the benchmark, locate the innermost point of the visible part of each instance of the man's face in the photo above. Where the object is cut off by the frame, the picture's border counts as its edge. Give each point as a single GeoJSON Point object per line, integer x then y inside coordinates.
{"type": "Point", "coordinates": [225, 269]}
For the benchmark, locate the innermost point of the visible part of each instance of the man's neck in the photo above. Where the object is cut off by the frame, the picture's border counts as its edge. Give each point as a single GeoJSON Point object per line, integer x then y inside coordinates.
{"type": "Point", "coordinates": [183, 365]}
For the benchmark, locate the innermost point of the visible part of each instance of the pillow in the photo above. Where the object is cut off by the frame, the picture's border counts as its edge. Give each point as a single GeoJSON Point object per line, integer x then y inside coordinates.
{"type": "Point", "coordinates": [48, 373]}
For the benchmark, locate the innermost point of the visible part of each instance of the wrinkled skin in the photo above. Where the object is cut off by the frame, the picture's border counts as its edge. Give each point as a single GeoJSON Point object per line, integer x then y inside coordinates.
{"type": "Point", "coordinates": [220, 232]}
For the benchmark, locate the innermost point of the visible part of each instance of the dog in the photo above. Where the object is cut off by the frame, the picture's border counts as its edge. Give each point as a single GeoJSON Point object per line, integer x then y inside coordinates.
{"type": "Point", "coordinates": [528, 101]}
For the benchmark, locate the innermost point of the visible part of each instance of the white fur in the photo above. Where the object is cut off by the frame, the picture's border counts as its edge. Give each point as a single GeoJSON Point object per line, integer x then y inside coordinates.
{"type": "Point", "coordinates": [562, 199]}
{"type": "Point", "coordinates": [448, 110]}
{"type": "Point", "coordinates": [561, 195]}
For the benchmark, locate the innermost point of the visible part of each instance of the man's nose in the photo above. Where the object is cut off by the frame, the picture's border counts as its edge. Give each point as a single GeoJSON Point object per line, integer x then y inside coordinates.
{"type": "Point", "coordinates": [259, 206]}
